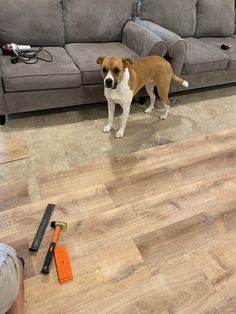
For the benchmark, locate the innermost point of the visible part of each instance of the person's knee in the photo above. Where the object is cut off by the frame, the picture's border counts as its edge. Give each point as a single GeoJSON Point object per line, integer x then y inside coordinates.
{"type": "Point", "coordinates": [9, 277]}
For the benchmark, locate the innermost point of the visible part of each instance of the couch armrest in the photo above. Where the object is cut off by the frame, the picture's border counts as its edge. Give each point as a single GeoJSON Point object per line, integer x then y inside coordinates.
{"type": "Point", "coordinates": [2, 102]}
{"type": "Point", "coordinates": [176, 45]}
{"type": "Point", "coordinates": [143, 41]}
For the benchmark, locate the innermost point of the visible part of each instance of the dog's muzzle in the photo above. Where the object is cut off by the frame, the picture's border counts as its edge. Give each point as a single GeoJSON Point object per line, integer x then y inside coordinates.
{"type": "Point", "coordinates": [109, 83]}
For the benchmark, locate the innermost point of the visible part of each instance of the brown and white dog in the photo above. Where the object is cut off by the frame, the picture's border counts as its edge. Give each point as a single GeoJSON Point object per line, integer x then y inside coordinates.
{"type": "Point", "coordinates": [123, 78]}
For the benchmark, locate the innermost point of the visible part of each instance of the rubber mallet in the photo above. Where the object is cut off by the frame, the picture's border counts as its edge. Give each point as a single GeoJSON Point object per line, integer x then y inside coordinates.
{"type": "Point", "coordinates": [58, 226]}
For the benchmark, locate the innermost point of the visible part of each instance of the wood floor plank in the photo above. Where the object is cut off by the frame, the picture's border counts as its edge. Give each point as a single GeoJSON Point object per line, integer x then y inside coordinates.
{"type": "Point", "coordinates": [141, 217]}
{"type": "Point", "coordinates": [180, 241]}
{"type": "Point", "coordinates": [69, 208]}
{"type": "Point", "coordinates": [13, 194]}
{"type": "Point", "coordinates": [162, 293]}
{"type": "Point", "coordinates": [172, 176]}
{"type": "Point", "coordinates": [179, 160]}
{"type": "Point", "coordinates": [13, 150]}
{"type": "Point", "coordinates": [100, 274]}
{"type": "Point", "coordinates": [218, 263]}
{"type": "Point", "coordinates": [182, 288]}
{"type": "Point", "coordinates": [219, 266]}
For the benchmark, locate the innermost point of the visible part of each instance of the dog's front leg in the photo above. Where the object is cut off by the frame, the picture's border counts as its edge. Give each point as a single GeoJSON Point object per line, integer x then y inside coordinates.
{"type": "Point", "coordinates": [111, 111]}
{"type": "Point", "coordinates": [126, 110]}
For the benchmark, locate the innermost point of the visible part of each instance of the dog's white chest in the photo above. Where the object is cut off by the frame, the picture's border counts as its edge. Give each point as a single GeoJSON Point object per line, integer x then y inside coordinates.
{"type": "Point", "coordinates": [122, 94]}
{"type": "Point", "coordinates": [114, 95]}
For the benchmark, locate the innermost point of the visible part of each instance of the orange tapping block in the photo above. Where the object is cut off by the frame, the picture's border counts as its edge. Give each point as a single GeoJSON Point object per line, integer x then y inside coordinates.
{"type": "Point", "coordinates": [64, 271]}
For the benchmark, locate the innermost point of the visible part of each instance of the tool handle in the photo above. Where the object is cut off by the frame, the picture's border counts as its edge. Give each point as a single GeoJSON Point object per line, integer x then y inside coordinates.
{"type": "Point", "coordinates": [50, 252]}
{"type": "Point", "coordinates": [56, 234]}
{"type": "Point", "coordinates": [48, 259]}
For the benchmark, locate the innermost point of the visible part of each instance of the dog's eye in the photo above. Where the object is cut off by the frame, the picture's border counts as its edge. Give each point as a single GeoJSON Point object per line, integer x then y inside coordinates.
{"type": "Point", "coordinates": [104, 70]}
{"type": "Point", "coordinates": [117, 71]}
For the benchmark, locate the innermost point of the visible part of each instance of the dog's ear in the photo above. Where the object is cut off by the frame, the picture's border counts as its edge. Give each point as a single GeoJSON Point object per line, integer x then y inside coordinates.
{"type": "Point", "coordinates": [100, 60]}
{"type": "Point", "coordinates": [127, 61]}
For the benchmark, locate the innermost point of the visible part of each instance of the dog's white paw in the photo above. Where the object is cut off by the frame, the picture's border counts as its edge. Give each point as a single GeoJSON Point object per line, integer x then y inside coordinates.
{"type": "Point", "coordinates": [119, 134]}
{"type": "Point", "coordinates": [163, 116]}
{"type": "Point", "coordinates": [148, 110]}
{"type": "Point", "coordinates": [107, 129]}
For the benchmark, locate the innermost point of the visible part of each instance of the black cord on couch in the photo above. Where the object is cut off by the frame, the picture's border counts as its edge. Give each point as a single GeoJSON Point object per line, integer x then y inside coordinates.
{"type": "Point", "coordinates": [32, 57]}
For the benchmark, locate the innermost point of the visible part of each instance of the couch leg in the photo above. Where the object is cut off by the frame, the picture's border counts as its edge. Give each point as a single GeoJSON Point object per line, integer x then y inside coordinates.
{"type": "Point", "coordinates": [2, 119]}
{"type": "Point", "coordinates": [142, 100]}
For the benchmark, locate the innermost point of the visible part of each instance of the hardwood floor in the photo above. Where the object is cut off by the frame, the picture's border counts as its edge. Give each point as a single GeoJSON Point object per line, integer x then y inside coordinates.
{"type": "Point", "coordinates": [14, 193]}
{"type": "Point", "coordinates": [12, 151]}
{"type": "Point", "coordinates": [149, 232]}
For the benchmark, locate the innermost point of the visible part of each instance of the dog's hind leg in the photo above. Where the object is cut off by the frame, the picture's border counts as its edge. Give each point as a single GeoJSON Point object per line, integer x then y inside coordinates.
{"type": "Point", "coordinates": [165, 100]}
{"type": "Point", "coordinates": [163, 94]}
{"type": "Point", "coordinates": [166, 104]}
{"type": "Point", "coordinates": [150, 90]}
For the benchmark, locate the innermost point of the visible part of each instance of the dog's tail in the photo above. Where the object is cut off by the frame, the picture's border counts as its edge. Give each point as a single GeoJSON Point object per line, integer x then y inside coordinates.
{"type": "Point", "coordinates": [180, 81]}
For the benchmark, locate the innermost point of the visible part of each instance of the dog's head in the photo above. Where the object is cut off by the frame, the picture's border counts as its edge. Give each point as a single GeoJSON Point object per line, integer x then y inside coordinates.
{"type": "Point", "coordinates": [113, 69]}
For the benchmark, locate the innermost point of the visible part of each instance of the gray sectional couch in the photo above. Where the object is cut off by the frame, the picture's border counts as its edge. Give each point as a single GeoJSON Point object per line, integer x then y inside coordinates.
{"type": "Point", "coordinates": [76, 32]}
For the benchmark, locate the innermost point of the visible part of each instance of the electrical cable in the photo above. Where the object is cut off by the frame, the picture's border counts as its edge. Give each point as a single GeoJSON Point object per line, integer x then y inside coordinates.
{"type": "Point", "coordinates": [33, 56]}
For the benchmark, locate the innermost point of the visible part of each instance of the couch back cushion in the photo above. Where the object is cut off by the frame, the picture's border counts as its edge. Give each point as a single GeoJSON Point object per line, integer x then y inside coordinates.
{"type": "Point", "coordinates": [178, 16]}
{"type": "Point", "coordinates": [215, 18]}
{"type": "Point", "coordinates": [96, 20]}
{"type": "Point", "coordinates": [34, 22]}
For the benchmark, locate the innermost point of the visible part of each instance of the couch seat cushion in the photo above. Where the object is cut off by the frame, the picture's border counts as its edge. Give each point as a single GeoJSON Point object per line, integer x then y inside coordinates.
{"type": "Point", "coordinates": [202, 57]}
{"type": "Point", "coordinates": [218, 41]}
{"type": "Point", "coordinates": [215, 18]}
{"type": "Point", "coordinates": [85, 56]}
{"type": "Point", "coordinates": [61, 73]}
